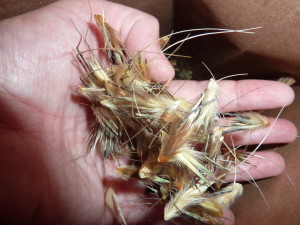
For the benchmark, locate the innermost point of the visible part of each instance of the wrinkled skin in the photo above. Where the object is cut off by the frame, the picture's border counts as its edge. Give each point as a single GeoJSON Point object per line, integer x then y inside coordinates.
{"type": "Point", "coordinates": [45, 176]}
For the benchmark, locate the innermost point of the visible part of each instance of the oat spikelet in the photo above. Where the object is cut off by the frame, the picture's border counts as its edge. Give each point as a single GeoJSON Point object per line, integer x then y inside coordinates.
{"type": "Point", "coordinates": [244, 121]}
{"type": "Point", "coordinates": [229, 194]}
{"type": "Point", "coordinates": [126, 172]}
{"type": "Point", "coordinates": [115, 49]}
{"type": "Point", "coordinates": [112, 204]}
{"type": "Point", "coordinates": [194, 203]}
{"type": "Point", "coordinates": [186, 197]}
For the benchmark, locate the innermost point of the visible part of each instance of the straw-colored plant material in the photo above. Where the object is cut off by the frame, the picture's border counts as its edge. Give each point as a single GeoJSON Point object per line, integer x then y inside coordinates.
{"type": "Point", "coordinates": [112, 204]}
{"type": "Point", "coordinates": [137, 118]}
{"type": "Point", "coordinates": [287, 80]}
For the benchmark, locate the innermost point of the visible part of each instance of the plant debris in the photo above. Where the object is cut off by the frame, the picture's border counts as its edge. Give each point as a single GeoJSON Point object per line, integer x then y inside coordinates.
{"type": "Point", "coordinates": [160, 133]}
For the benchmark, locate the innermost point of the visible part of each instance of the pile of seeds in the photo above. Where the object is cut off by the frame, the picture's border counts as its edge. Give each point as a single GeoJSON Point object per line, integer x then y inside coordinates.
{"type": "Point", "coordinates": [176, 148]}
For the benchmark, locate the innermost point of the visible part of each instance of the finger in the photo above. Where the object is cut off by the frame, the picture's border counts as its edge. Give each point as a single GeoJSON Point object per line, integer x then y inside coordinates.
{"type": "Point", "coordinates": [279, 131]}
{"type": "Point", "coordinates": [144, 36]}
{"type": "Point", "coordinates": [259, 165]}
{"type": "Point", "coordinates": [238, 95]}
{"type": "Point", "coordinates": [228, 217]}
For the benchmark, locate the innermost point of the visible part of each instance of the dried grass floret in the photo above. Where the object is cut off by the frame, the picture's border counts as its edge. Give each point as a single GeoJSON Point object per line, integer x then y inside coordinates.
{"type": "Point", "coordinates": [244, 121]}
{"type": "Point", "coordinates": [113, 205]}
{"type": "Point", "coordinates": [158, 133]}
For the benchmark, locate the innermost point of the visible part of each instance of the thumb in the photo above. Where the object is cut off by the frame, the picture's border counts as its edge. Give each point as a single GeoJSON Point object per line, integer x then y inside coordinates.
{"type": "Point", "coordinates": [143, 36]}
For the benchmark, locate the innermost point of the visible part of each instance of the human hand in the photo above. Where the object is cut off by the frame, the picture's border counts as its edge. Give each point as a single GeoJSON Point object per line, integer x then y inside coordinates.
{"type": "Point", "coordinates": [44, 128]}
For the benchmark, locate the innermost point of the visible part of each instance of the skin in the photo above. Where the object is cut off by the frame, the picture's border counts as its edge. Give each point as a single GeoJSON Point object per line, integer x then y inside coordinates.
{"type": "Point", "coordinates": [45, 176]}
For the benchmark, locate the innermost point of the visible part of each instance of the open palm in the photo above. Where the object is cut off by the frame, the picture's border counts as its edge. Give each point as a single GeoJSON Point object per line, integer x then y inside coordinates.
{"type": "Point", "coordinates": [44, 128]}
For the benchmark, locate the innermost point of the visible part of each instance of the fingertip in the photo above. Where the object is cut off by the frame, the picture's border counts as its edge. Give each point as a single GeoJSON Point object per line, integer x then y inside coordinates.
{"type": "Point", "coordinates": [161, 70]}
{"type": "Point", "coordinates": [259, 166]}
{"type": "Point", "coordinates": [277, 164]}
{"type": "Point", "coordinates": [268, 164]}
{"type": "Point", "coordinates": [143, 39]}
{"type": "Point", "coordinates": [273, 163]}
{"type": "Point", "coordinates": [228, 217]}
{"type": "Point", "coordinates": [287, 130]}
{"type": "Point", "coordinates": [283, 95]}
{"type": "Point", "coordinates": [287, 94]}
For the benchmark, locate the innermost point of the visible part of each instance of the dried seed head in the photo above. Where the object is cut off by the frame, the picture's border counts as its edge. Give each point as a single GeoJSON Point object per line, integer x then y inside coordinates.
{"type": "Point", "coordinates": [229, 194]}
{"type": "Point", "coordinates": [139, 119]}
{"type": "Point", "coordinates": [244, 121]}
{"type": "Point", "coordinates": [126, 172]}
